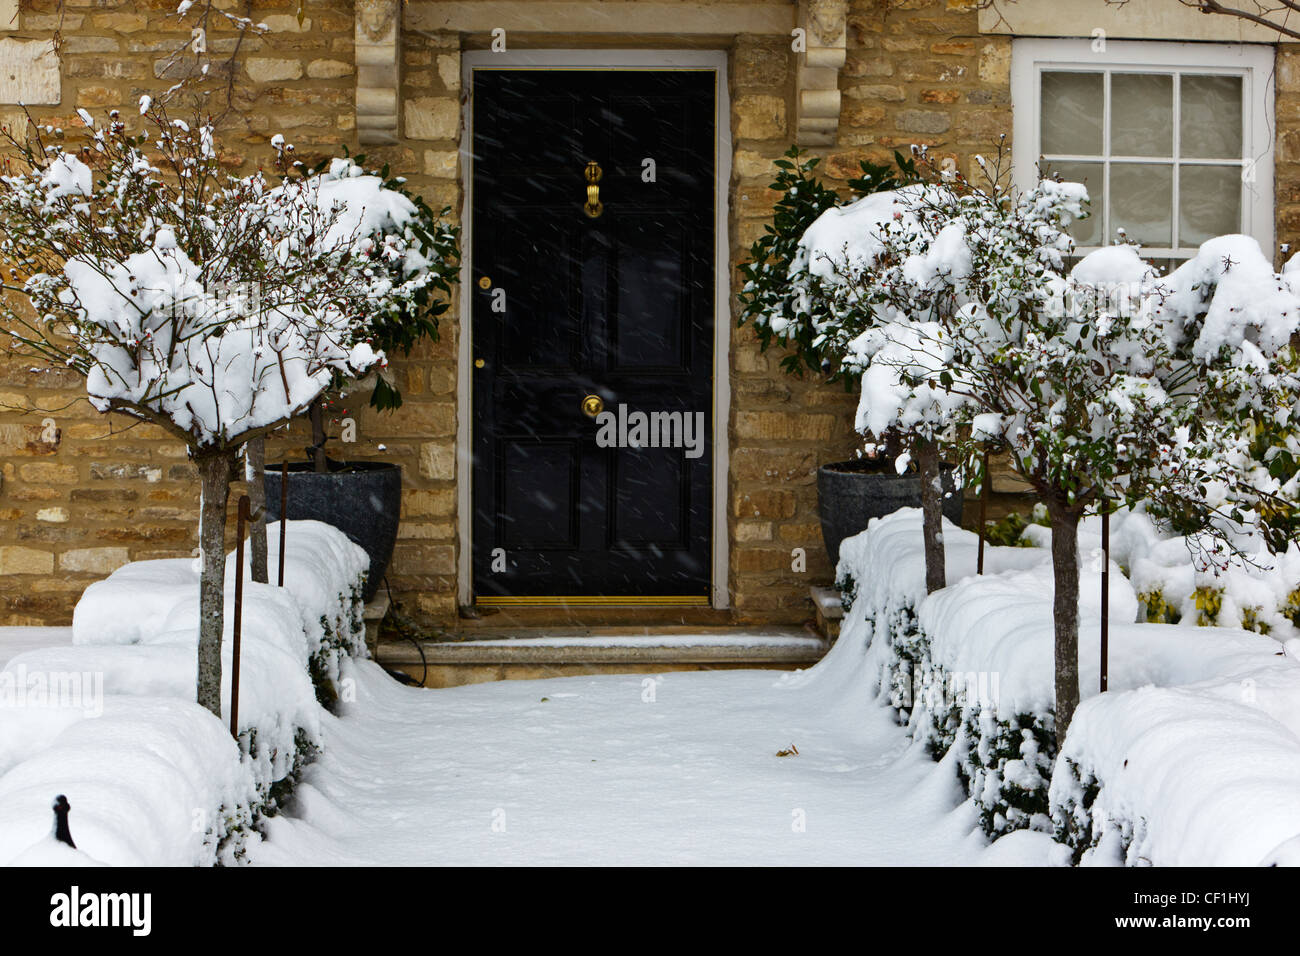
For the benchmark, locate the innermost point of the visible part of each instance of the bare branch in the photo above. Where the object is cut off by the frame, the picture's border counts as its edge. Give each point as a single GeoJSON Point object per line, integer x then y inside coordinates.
{"type": "Point", "coordinates": [1273, 16]}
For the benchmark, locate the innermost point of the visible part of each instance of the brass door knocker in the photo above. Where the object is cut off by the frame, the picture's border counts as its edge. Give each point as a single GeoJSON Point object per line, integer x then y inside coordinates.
{"type": "Point", "coordinates": [593, 207]}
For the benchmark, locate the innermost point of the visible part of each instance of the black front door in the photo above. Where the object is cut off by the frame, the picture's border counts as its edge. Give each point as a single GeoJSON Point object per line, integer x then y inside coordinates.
{"type": "Point", "coordinates": [593, 334]}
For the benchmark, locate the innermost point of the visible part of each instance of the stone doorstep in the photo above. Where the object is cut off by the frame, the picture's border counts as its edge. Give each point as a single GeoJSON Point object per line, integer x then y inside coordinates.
{"type": "Point", "coordinates": [788, 646]}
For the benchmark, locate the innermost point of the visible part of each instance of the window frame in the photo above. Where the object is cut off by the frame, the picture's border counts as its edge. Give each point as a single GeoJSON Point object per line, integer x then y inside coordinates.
{"type": "Point", "coordinates": [1254, 63]}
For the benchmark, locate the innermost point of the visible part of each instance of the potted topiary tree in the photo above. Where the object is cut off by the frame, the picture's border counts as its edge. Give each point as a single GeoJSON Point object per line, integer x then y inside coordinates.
{"type": "Point", "coordinates": [412, 254]}
{"type": "Point", "coordinates": [1106, 384]}
{"type": "Point", "coordinates": [215, 306]}
{"type": "Point", "coordinates": [796, 295]}
{"type": "Point", "coordinates": [873, 266]}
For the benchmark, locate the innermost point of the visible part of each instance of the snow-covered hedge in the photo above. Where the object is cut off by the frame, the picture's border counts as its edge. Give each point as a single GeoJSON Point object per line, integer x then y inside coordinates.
{"type": "Point", "coordinates": [941, 694]}
{"type": "Point", "coordinates": [1205, 775]}
{"type": "Point", "coordinates": [316, 617]}
{"type": "Point", "coordinates": [133, 659]}
{"type": "Point", "coordinates": [153, 781]}
{"type": "Point", "coordinates": [970, 669]}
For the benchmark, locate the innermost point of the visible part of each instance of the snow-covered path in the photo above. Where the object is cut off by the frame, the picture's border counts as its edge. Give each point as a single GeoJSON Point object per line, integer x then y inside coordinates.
{"type": "Point", "coordinates": [600, 770]}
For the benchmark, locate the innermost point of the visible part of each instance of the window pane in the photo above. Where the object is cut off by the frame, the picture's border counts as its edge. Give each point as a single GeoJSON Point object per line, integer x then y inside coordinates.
{"type": "Point", "coordinates": [1209, 203]}
{"type": "Point", "coordinates": [1071, 114]}
{"type": "Point", "coordinates": [1141, 202]}
{"type": "Point", "coordinates": [1141, 114]}
{"type": "Point", "coordinates": [1086, 232]}
{"type": "Point", "coordinates": [1210, 124]}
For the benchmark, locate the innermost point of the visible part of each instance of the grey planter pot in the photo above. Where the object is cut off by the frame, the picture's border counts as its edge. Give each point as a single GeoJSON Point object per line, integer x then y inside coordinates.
{"type": "Point", "coordinates": [850, 494]}
{"type": "Point", "coordinates": [363, 499]}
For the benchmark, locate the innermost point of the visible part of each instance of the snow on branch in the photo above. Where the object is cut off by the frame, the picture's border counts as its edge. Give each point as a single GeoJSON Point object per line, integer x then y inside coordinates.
{"type": "Point", "coordinates": [214, 305]}
{"type": "Point", "coordinates": [968, 317]}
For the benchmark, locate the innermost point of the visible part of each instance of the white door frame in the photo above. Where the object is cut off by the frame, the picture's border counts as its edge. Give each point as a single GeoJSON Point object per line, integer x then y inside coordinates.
{"type": "Point", "coordinates": [715, 60]}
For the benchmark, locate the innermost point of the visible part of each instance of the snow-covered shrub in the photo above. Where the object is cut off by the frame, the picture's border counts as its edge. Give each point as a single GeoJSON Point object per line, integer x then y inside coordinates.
{"type": "Point", "coordinates": [316, 617]}
{"type": "Point", "coordinates": [1060, 376]}
{"type": "Point", "coordinates": [136, 631]}
{"type": "Point", "coordinates": [942, 709]}
{"type": "Point", "coordinates": [1010, 530]}
{"type": "Point", "coordinates": [188, 297]}
{"type": "Point", "coordinates": [1233, 495]}
{"type": "Point", "coordinates": [1252, 589]}
{"type": "Point", "coordinates": [413, 257]}
{"type": "Point", "coordinates": [990, 649]}
{"type": "Point", "coordinates": [1007, 769]}
{"type": "Point", "coordinates": [412, 253]}
{"type": "Point", "coordinates": [1155, 608]}
{"type": "Point", "coordinates": [1232, 320]}
{"type": "Point", "coordinates": [1107, 383]}
{"type": "Point", "coordinates": [777, 298]}
{"type": "Point", "coordinates": [829, 281]}
{"type": "Point", "coordinates": [325, 570]}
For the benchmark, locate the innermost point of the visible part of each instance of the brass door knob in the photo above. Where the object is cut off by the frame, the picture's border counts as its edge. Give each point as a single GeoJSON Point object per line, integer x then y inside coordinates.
{"type": "Point", "coordinates": [593, 405]}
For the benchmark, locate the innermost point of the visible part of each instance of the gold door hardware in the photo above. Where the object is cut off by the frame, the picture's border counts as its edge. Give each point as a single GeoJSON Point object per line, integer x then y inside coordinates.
{"type": "Point", "coordinates": [589, 600]}
{"type": "Point", "coordinates": [593, 207]}
{"type": "Point", "coordinates": [479, 363]}
{"type": "Point", "coordinates": [485, 283]}
{"type": "Point", "coordinates": [593, 405]}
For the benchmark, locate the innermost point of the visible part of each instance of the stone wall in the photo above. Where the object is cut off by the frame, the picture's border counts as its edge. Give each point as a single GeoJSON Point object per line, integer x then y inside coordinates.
{"type": "Point", "coordinates": [83, 493]}
{"type": "Point", "coordinates": [1286, 164]}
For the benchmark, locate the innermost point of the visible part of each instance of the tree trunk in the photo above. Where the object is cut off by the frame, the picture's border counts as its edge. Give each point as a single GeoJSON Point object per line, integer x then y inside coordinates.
{"type": "Point", "coordinates": [927, 463]}
{"type": "Point", "coordinates": [1065, 610]}
{"type": "Point", "coordinates": [214, 475]}
{"type": "Point", "coordinates": [255, 475]}
{"type": "Point", "coordinates": [317, 414]}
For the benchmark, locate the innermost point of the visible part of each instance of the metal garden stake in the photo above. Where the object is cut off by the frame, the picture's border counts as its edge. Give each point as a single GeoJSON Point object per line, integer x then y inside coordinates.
{"type": "Point", "coordinates": [244, 516]}
{"type": "Point", "coordinates": [1105, 596]}
{"type": "Point", "coordinates": [284, 513]}
{"type": "Point", "coordinates": [985, 482]}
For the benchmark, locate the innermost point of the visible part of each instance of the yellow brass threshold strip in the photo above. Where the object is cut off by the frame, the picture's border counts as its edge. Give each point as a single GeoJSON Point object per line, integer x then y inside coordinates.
{"type": "Point", "coordinates": [588, 600]}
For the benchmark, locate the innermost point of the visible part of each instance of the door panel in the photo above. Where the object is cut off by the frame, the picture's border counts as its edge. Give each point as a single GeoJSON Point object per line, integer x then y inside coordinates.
{"type": "Point", "coordinates": [541, 513]}
{"type": "Point", "coordinates": [641, 475]}
{"type": "Point", "coordinates": [647, 316]}
{"type": "Point", "coordinates": [619, 306]}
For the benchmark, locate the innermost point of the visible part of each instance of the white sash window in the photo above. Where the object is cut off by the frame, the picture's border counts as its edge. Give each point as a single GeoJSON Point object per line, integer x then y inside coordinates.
{"type": "Point", "coordinates": [1174, 140]}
